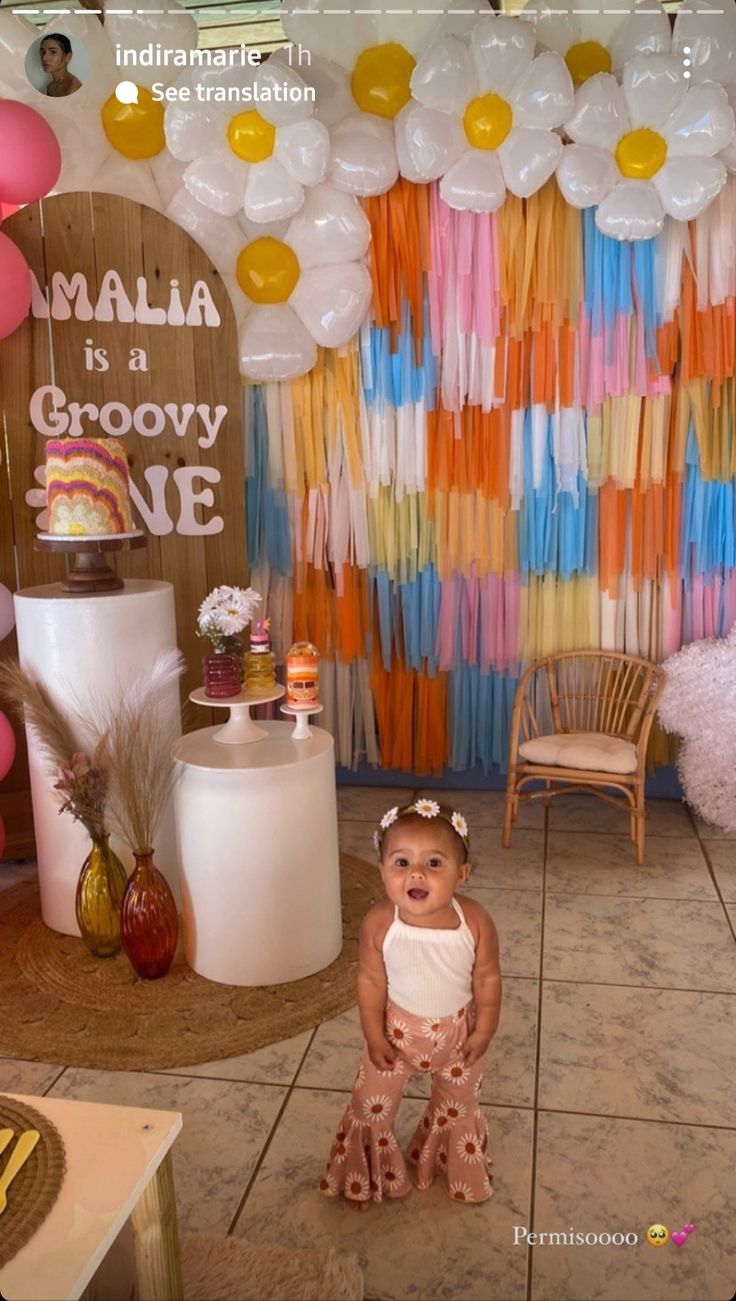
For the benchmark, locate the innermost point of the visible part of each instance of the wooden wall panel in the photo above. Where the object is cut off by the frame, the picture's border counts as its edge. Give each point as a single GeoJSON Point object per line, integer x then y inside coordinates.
{"type": "Point", "coordinates": [93, 234]}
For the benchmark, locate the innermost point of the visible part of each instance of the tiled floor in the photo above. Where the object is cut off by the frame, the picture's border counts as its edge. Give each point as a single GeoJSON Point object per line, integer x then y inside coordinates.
{"type": "Point", "coordinates": [609, 1087]}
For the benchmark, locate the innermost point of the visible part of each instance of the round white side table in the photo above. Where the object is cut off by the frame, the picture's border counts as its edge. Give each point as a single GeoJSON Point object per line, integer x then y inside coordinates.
{"type": "Point", "coordinates": [79, 647]}
{"type": "Point", "coordinates": [256, 829]}
{"type": "Point", "coordinates": [240, 728]}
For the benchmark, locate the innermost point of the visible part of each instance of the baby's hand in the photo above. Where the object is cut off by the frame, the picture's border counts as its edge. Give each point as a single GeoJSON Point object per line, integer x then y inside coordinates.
{"type": "Point", "coordinates": [381, 1054]}
{"type": "Point", "coordinates": [474, 1047]}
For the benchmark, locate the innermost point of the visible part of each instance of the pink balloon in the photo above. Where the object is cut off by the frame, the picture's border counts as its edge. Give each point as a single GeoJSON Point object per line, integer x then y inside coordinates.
{"type": "Point", "coordinates": [7, 210]}
{"type": "Point", "coordinates": [7, 747]}
{"type": "Point", "coordinates": [7, 612]}
{"type": "Point", "coordinates": [30, 159]}
{"type": "Point", "coordinates": [15, 286]}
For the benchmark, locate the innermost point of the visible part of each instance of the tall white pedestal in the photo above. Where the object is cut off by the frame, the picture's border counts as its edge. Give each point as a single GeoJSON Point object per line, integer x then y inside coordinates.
{"type": "Point", "coordinates": [79, 647]}
{"type": "Point", "coordinates": [260, 874]}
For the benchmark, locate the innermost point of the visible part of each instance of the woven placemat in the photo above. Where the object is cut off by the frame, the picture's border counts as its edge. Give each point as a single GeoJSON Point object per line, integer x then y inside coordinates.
{"type": "Point", "coordinates": [37, 1185]}
{"type": "Point", "coordinates": [58, 1003]}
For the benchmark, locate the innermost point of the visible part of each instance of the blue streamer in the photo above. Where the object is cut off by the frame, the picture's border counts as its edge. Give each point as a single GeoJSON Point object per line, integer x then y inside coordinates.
{"type": "Point", "coordinates": [266, 515]}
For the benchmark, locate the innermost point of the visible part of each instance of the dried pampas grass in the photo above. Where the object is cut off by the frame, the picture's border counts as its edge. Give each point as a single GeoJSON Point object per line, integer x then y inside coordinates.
{"type": "Point", "coordinates": [32, 704]}
{"type": "Point", "coordinates": [137, 728]}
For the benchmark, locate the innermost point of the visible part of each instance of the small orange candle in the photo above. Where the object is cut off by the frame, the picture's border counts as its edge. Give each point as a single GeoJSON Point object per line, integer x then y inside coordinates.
{"type": "Point", "coordinates": [302, 675]}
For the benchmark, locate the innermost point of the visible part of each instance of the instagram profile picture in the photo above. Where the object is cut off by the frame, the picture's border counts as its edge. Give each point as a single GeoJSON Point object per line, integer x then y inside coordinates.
{"type": "Point", "coordinates": [57, 65]}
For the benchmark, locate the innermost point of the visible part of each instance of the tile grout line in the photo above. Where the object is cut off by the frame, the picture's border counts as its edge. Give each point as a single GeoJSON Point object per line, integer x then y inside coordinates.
{"type": "Point", "coordinates": [55, 1081]}
{"type": "Point", "coordinates": [600, 894]}
{"type": "Point", "coordinates": [639, 1120]}
{"type": "Point", "coordinates": [538, 1050]}
{"type": "Point", "coordinates": [272, 1134]}
{"type": "Point", "coordinates": [618, 984]}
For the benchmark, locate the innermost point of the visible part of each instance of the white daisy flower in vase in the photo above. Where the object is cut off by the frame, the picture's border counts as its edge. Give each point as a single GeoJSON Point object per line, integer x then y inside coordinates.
{"type": "Point", "coordinates": [705, 34]}
{"type": "Point", "coordinates": [484, 115]}
{"type": "Point", "coordinates": [362, 59]}
{"type": "Point", "coordinates": [255, 159]}
{"type": "Point", "coordinates": [646, 148]}
{"type": "Point", "coordinates": [427, 808]}
{"type": "Point", "coordinates": [600, 37]}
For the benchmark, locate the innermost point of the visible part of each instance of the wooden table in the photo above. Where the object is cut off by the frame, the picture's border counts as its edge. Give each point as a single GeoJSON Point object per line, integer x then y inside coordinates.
{"type": "Point", "coordinates": [118, 1166]}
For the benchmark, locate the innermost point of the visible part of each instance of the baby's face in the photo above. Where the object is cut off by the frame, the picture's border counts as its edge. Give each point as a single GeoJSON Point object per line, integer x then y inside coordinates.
{"type": "Point", "coordinates": [422, 866]}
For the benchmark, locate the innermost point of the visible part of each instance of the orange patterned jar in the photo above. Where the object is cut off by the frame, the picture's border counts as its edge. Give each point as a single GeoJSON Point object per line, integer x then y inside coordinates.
{"type": "Point", "coordinates": [302, 675]}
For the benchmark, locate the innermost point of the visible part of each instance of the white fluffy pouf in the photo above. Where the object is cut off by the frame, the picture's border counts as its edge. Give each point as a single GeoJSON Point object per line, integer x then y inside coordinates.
{"type": "Point", "coordinates": [699, 702]}
{"type": "Point", "coordinates": [233, 1269]}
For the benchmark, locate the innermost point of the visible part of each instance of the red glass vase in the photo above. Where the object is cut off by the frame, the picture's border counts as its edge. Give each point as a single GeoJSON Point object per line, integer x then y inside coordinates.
{"type": "Point", "coordinates": [149, 925]}
{"type": "Point", "coordinates": [223, 673]}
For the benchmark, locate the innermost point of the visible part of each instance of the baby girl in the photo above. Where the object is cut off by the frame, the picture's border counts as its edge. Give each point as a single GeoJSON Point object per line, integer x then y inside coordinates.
{"type": "Point", "coordinates": [429, 996]}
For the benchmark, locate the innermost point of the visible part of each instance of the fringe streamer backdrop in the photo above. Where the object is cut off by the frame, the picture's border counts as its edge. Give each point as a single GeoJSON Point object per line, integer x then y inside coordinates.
{"type": "Point", "coordinates": [529, 448]}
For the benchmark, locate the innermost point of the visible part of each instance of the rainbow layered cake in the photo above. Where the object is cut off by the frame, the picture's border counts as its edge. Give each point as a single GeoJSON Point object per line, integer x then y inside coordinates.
{"type": "Point", "coordinates": [87, 487]}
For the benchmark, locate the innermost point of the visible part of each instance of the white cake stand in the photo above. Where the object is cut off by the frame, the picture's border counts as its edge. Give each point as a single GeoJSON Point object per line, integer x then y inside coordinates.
{"type": "Point", "coordinates": [302, 730]}
{"type": "Point", "coordinates": [240, 729]}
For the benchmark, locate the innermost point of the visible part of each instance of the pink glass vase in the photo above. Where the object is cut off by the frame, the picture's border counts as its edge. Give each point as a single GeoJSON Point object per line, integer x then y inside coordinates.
{"type": "Point", "coordinates": [149, 924]}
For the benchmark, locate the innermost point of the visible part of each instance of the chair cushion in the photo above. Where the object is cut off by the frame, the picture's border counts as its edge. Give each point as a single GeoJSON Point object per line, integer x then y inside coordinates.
{"type": "Point", "coordinates": [592, 750]}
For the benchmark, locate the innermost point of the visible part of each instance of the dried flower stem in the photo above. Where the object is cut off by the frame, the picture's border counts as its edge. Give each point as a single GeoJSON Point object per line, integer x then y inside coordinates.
{"type": "Point", "coordinates": [137, 729]}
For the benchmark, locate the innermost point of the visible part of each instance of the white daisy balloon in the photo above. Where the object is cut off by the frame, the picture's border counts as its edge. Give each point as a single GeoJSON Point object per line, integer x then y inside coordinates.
{"type": "Point", "coordinates": [707, 30]}
{"type": "Point", "coordinates": [255, 159]}
{"type": "Point", "coordinates": [105, 145]}
{"type": "Point", "coordinates": [646, 148]}
{"type": "Point", "coordinates": [363, 56]}
{"type": "Point", "coordinates": [596, 36]}
{"type": "Point", "coordinates": [705, 34]}
{"type": "Point", "coordinates": [484, 115]}
{"type": "Point", "coordinates": [297, 285]}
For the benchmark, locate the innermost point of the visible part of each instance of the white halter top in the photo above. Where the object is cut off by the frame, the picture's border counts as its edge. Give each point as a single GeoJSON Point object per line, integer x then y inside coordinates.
{"type": "Point", "coordinates": [429, 971]}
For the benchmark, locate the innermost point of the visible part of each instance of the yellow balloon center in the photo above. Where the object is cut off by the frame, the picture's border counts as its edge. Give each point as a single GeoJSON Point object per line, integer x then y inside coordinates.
{"type": "Point", "coordinates": [135, 130]}
{"type": "Point", "coordinates": [640, 154]}
{"type": "Point", "coordinates": [267, 270]}
{"type": "Point", "coordinates": [585, 59]}
{"type": "Point", "coordinates": [380, 81]}
{"type": "Point", "coordinates": [251, 137]}
{"type": "Point", "coordinates": [487, 121]}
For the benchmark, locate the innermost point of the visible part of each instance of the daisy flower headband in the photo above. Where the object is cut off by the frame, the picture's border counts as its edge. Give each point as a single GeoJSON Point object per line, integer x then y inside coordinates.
{"type": "Point", "coordinates": [426, 809]}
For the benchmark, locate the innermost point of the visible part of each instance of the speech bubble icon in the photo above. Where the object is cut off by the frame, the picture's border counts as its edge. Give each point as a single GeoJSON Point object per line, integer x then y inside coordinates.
{"type": "Point", "coordinates": [126, 92]}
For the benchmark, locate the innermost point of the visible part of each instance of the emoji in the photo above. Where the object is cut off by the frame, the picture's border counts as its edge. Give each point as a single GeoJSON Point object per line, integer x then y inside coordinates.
{"type": "Point", "coordinates": [689, 1228]}
{"type": "Point", "coordinates": [679, 1239]}
{"type": "Point", "coordinates": [657, 1235]}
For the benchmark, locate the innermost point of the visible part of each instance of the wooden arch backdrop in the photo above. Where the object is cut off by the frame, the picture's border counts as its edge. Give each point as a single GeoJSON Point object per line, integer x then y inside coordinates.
{"type": "Point", "coordinates": [93, 235]}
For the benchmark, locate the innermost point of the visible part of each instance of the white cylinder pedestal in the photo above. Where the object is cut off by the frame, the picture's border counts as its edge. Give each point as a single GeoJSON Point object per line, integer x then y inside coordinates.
{"type": "Point", "coordinates": [256, 829]}
{"type": "Point", "coordinates": [79, 648]}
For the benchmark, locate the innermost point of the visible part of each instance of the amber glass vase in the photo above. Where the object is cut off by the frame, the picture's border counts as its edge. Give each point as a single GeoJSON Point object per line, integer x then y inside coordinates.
{"type": "Point", "coordinates": [100, 891]}
{"type": "Point", "coordinates": [149, 922]}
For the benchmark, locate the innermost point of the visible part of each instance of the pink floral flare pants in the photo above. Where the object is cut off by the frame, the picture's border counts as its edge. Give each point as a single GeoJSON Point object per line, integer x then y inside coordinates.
{"type": "Point", "coordinates": [451, 1139]}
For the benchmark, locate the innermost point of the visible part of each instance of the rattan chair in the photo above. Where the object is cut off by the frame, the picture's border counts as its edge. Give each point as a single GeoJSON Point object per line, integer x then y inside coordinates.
{"type": "Point", "coordinates": [581, 722]}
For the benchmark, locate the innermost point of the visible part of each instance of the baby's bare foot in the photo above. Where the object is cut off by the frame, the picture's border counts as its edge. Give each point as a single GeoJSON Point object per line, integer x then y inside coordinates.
{"type": "Point", "coordinates": [357, 1206]}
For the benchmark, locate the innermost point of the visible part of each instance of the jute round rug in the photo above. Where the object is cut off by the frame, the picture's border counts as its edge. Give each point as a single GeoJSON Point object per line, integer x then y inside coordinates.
{"type": "Point", "coordinates": [58, 1003]}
